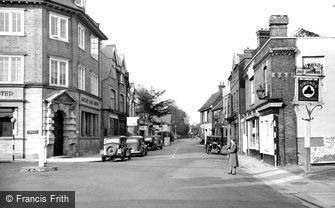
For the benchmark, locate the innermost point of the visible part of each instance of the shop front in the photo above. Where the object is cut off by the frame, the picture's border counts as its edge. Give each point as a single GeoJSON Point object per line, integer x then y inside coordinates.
{"type": "Point", "coordinates": [90, 118]}
{"type": "Point", "coordinates": [11, 123]}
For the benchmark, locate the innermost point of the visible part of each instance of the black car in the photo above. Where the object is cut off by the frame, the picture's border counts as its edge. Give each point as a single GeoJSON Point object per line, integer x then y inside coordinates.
{"type": "Point", "coordinates": [214, 145]}
{"type": "Point", "coordinates": [138, 147]}
{"type": "Point", "coordinates": [151, 143]}
{"type": "Point", "coordinates": [115, 147]}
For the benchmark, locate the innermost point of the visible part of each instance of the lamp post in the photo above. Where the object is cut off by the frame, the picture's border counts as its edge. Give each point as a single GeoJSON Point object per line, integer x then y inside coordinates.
{"type": "Point", "coordinates": [13, 120]}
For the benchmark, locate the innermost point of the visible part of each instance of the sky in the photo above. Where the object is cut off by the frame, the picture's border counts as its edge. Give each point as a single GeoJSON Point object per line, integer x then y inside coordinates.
{"type": "Point", "coordinates": [186, 47]}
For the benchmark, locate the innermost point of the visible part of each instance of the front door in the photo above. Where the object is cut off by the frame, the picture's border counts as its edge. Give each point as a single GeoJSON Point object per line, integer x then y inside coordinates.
{"type": "Point", "coordinates": [58, 132]}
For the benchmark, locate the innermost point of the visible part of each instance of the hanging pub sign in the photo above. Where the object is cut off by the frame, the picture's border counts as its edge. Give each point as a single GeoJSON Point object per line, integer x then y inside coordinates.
{"type": "Point", "coordinates": [308, 90]}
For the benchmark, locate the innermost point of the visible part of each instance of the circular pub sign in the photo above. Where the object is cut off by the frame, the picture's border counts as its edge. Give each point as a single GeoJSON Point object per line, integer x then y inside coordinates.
{"type": "Point", "coordinates": [308, 90]}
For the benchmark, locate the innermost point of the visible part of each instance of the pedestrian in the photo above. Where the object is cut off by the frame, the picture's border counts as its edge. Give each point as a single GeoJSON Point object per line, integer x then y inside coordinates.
{"type": "Point", "coordinates": [233, 159]}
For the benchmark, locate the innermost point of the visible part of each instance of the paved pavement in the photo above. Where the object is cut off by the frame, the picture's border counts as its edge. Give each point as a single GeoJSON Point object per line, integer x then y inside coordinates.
{"type": "Point", "coordinates": [317, 188]}
{"type": "Point", "coordinates": [180, 175]}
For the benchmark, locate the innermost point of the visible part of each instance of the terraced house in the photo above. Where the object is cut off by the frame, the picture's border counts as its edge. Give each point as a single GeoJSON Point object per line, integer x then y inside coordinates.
{"type": "Point", "coordinates": [49, 78]}
{"type": "Point", "coordinates": [115, 91]}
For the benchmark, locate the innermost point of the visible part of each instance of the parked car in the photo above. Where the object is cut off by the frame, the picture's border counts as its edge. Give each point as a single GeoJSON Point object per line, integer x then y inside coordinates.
{"type": "Point", "coordinates": [115, 147]}
{"type": "Point", "coordinates": [138, 147]}
{"type": "Point", "coordinates": [151, 143]}
{"type": "Point", "coordinates": [213, 145]}
{"type": "Point", "coordinates": [159, 141]}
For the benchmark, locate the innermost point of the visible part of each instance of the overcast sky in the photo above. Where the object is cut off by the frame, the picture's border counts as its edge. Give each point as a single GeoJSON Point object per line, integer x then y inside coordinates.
{"type": "Point", "coordinates": [186, 47]}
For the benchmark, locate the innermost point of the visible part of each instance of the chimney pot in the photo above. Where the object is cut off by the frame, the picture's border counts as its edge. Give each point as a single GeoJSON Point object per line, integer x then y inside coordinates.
{"type": "Point", "coordinates": [278, 25]}
{"type": "Point", "coordinates": [262, 36]}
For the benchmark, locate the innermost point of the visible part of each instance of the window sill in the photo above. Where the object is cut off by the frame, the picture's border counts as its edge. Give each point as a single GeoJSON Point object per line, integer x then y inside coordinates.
{"type": "Point", "coordinates": [55, 85]}
{"type": "Point", "coordinates": [97, 59]}
{"type": "Point", "coordinates": [82, 48]}
{"type": "Point", "coordinates": [13, 34]}
{"type": "Point", "coordinates": [59, 39]}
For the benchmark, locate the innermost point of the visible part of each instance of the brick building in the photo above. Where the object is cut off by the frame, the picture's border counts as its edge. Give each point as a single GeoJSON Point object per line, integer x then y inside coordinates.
{"type": "Point", "coordinates": [206, 114]}
{"type": "Point", "coordinates": [115, 91]}
{"type": "Point", "coordinates": [49, 78]}
{"type": "Point", "coordinates": [237, 96]}
{"type": "Point", "coordinates": [269, 122]}
{"type": "Point", "coordinates": [272, 124]}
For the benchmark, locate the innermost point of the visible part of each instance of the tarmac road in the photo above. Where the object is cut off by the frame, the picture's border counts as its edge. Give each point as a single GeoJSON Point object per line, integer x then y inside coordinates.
{"type": "Point", "coordinates": [180, 175]}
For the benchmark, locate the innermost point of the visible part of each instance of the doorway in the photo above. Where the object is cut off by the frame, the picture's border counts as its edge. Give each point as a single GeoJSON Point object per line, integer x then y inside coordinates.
{"type": "Point", "coordinates": [58, 132]}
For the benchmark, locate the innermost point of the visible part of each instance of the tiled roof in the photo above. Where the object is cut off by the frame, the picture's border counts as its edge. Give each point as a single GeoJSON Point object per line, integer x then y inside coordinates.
{"type": "Point", "coordinates": [212, 101]}
{"type": "Point", "coordinates": [109, 51]}
{"type": "Point", "coordinates": [301, 32]}
{"type": "Point", "coordinates": [218, 106]}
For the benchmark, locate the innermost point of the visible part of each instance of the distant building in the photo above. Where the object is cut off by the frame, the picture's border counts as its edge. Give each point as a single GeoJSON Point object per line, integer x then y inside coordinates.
{"type": "Point", "coordinates": [115, 91]}
{"type": "Point", "coordinates": [49, 78]}
{"type": "Point", "coordinates": [206, 114]}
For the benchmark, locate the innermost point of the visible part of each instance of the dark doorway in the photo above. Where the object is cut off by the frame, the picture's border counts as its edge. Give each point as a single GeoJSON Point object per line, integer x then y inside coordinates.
{"type": "Point", "coordinates": [58, 132]}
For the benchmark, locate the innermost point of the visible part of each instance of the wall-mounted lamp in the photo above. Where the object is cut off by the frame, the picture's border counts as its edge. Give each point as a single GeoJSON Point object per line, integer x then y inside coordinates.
{"type": "Point", "coordinates": [261, 92]}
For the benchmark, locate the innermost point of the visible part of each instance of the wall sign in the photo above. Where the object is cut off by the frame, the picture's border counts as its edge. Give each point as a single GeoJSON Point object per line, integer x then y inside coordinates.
{"type": "Point", "coordinates": [32, 131]}
{"type": "Point", "coordinates": [86, 100]}
{"type": "Point", "coordinates": [325, 153]}
{"type": "Point", "coordinates": [312, 66]}
{"type": "Point", "coordinates": [11, 93]}
{"type": "Point", "coordinates": [308, 90]}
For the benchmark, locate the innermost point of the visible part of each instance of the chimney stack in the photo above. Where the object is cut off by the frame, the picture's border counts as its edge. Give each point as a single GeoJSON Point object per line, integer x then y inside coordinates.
{"type": "Point", "coordinates": [278, 25]}
{"type": "Point", "coordinates": [263, 35]}
{"type": "Point", "coordinates": [221, 86]}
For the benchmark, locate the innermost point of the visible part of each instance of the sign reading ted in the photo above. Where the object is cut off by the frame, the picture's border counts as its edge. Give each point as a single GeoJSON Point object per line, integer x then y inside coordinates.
{"type": "Point", "coordinates": [308, 90]}
{"type": "Point", "coordinates": [11, 93]}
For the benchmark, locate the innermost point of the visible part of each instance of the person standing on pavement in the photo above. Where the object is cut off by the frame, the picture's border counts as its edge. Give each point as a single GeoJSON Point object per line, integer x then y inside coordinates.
{"type": "Point", "coordinates": [233, 159]}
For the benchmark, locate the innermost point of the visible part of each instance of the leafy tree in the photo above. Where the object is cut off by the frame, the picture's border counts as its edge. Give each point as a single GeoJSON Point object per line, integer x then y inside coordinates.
{"type": "Point", "coordinates": [149, 104]}
{"type": "Point", "coordinates": [180, 120]}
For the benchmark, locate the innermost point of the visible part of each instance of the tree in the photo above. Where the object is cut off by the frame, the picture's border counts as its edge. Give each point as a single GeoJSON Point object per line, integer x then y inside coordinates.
{"type": "Point", "coordinates": [149, 104]}
{"type": "Point", "coordinates": [180, 120]}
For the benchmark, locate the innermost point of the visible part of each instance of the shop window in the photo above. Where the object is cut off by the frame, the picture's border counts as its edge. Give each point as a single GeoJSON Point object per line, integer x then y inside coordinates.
{"type": "Point", "coordinates": [123, 128]}
{"type": "Point", "coordinates": [6, 127]}
{"type": "Point", "coordinates": [89, 124]}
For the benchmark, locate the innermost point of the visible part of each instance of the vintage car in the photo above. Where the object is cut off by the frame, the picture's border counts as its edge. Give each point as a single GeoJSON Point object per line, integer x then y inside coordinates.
{"type": "Point", "coordinates": [159, 141]}
{"type": "Point", "coordinates": [151, 143]}
{"type": "Point", "coordinates": [213, 145]}
{"type": "Point", "coordinates": [115, 147]}
{"type": "Point", "coordinates": [138, 147]}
